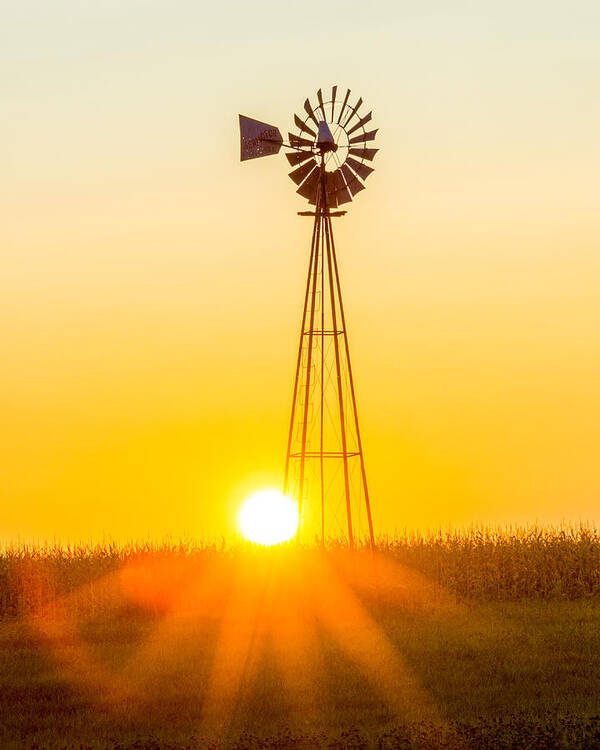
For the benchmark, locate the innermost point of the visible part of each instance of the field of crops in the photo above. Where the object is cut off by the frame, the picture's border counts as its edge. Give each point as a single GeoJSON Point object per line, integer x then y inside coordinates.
{"type": "Point", "coordinates": [487, 638]}
{"type": "Point", "coordinates": [485, 564]}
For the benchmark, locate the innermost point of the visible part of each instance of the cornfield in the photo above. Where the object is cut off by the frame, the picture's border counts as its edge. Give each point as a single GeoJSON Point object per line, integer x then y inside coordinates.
{"type": "Point", "coordinates": [481, 563]}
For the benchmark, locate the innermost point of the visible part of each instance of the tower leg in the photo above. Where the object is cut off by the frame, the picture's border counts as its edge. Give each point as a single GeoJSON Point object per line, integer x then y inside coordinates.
{"type": "Point", "coordinates": [313, 259]}
{"type": "Point", "coordinates": [315, 270]}
{"type": "Point", "coordinates": [327, 228]}
{"type": "Point", "coordinates": [322, 466]}
{"type": "Point", "coordinates": [352, 392]}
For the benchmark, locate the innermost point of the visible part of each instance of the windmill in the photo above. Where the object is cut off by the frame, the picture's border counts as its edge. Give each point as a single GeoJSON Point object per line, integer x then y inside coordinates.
{"type": "Point", "coordinates": [324, 465]}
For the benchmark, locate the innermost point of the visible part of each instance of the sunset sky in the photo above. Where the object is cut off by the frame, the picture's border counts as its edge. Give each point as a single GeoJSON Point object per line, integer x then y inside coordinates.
{"type": "Point", "coordinates": [151, 285]}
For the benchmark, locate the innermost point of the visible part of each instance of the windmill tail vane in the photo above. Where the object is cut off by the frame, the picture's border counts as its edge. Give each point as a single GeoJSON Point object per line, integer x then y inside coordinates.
{"type": "Point", "coordinates": [324, 466]}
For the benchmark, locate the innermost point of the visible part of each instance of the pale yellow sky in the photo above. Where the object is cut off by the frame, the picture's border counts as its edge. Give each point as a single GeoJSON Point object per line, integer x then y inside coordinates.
{"type": "Point", "coordinates": [152, 284]}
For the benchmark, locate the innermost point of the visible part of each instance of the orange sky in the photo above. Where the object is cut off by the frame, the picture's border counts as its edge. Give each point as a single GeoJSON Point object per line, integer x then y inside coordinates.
{"type": "Point", "coordinates": [152, 285]}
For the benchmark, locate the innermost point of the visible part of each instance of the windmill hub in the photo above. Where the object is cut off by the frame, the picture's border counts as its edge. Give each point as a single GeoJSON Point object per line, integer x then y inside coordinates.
{"type": "Point", "coordinates": [325, 140]}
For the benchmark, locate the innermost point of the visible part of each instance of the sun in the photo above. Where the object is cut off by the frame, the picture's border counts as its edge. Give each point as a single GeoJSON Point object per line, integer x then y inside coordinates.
{"type": "Point", "coordinates": [268, 517]}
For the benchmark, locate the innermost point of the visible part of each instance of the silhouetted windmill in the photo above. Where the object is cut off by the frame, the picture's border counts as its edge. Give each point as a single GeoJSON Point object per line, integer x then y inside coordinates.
{"type": "Point", "coordinates": [324, 467]}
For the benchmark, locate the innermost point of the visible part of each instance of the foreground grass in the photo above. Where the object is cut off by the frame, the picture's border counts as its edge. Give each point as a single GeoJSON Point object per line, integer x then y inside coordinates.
{"type": "Point", "coordinates": [484, 640]}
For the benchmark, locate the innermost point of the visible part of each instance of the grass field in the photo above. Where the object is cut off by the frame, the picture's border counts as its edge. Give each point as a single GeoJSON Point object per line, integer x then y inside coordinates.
{"type": "Point", "coordinates": [481, 639]}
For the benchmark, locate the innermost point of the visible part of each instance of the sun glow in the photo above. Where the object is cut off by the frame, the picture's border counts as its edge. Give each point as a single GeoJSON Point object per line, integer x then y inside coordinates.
{"type": "Point", "coordinates": [268, 517]}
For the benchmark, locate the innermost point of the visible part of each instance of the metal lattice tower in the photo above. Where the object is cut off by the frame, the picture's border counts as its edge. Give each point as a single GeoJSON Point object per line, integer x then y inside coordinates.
{"type": "Point", "coordinates": [324, 468]}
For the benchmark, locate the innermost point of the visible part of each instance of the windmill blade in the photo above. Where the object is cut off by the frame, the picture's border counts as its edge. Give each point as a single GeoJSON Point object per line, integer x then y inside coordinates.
{"type": "Point", "coordinates": [300, 174]}
{"type": "Point", "coordinates": [331, 183]}
{"type": "Point", "coordinates": [342, 193]}
{"type": "Point", "coordinates": [304, 127]}
{"type": "Point", "coordinates": [343, 106]}
{"type": "Point", "coordinates": [309, 187]}
{"type": "Point", "coordinates": [330, 190]}
{"type": "Point", "coordinates": [258, 139]}
{"type": "Point", "coordinates": [296, 141]}
{"type": "Point", "coordinates": [344, 196]}
{"type": "Point", "coordinates": [298, 157]}
{"type": "Point", "coordinates": [364, 153]}
{"type": "Point", "coordinates": [310, 113]}
{"type": "Point", "coordinates": [352, 181]}
{"type": "Point", "coordinates": [360, 123]}
{"type": "Point", "coordinates": [370, 136]}
{"type": "Point", "coordinates": [354, 111]}
{"type": "Point", "coordinates": [333, 95]}
{"type": "Point", "coordinates": [362, 170]}
{"type": "Point", "coordinates": [321, 105]}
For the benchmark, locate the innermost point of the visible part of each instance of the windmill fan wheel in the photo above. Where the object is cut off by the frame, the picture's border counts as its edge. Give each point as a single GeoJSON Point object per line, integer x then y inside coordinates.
{"type": "Point", "coordinates": [331, 134]}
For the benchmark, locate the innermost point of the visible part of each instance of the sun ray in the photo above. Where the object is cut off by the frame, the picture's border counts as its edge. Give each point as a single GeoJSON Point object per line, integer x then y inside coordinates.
{"type": "Point", "coordinates": [211, 625]}
{"type": "Point", "coordinates": [235, 650]}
